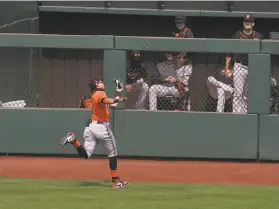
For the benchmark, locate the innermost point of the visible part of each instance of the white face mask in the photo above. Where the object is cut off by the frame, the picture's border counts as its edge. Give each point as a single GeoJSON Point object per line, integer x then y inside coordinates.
{"type": "Point", "coordinates": [180, 26]}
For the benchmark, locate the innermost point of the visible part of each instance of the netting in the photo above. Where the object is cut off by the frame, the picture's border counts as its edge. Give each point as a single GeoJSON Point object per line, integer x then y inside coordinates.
{"type": "Point", "coordinates": [48, 78]}
{"type": "Point", "coordinates": [274, 89]}
{"type": "Point", "coordinates": [198, 82]}
{"type": "Point", "coordinates": [176, 82]}
{"type": "Point", "coordinates": [58, 78]}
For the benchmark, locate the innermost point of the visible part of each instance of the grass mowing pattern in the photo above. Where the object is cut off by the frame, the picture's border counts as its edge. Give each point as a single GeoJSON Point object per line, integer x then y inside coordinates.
{"type": "Point", "coordinates": [67, 194]}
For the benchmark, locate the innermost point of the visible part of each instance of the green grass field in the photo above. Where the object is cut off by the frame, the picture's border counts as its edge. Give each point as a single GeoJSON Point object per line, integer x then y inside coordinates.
{"type": "Point", "coordinates": [67, 194]}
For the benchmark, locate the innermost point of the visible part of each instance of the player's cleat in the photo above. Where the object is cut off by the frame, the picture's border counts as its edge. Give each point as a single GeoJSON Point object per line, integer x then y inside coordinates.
{"type": "Point", "coordinates": [69, 138]}
{"type": "Point", "coordinates": [119, 184]}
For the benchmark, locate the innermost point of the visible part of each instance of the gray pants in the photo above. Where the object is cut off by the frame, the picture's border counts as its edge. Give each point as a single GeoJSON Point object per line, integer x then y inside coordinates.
{"type": "Point", "coordinates": [220, 91]}
{"type": "Point", "coordinates": [240, 76]}
{"type": "Point", "coordinates": [99, 133]}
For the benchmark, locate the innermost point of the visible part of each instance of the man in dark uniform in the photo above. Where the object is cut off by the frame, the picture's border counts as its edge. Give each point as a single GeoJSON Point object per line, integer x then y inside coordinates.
{"type": "Point", "coordinates": [136, 78]}
{"type": "Point", "coordinates": [240, 68]}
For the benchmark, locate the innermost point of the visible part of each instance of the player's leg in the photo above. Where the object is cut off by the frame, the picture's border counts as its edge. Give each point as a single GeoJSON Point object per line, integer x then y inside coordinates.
{"type": "Point", "coordinates": [185, 73]}
{"type": "Point", "coordinates": [245, 91]}
{"type": "Point", "coordinates": [218, 84]}
{"type": "Point", "coordinates": [89, 143]}
{"type": "Point", "coordinates": [221, 100]}
{"type": "Point", "coordinates": [141, 101]}
{"type": "Point", "coordinates": [239, 80]}
{"type": "Point", "coordinates": [157, 91]}
{"type": "Point", "coordinates": [106, 137]}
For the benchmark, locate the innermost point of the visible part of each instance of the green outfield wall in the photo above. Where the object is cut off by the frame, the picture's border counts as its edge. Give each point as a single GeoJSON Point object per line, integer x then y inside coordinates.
{"type": "Point", "coordinates": [146, 133]}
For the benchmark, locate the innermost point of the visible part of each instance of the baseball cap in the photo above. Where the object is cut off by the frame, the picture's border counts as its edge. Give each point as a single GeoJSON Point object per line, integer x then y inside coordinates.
{"type": "Point", "coordinates": [92, 83]}
{"type": "Point", "coordinates": [179, 19]}
{"type": "Point", "coordinates": [136, 55]}
{"type": "Point", "coordinates": [248, 18]}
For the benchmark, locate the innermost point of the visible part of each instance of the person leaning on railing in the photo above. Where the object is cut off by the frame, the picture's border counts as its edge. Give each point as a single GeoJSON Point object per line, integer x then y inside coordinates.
{"type": "Point", "coordinates": [240, 67]}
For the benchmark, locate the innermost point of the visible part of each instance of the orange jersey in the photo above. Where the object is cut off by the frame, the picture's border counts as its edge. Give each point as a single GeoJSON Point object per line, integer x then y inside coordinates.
{"type": "Point", "coordinates": [100, 112]}
{"type": "Point", "coordinates": [87, 104]}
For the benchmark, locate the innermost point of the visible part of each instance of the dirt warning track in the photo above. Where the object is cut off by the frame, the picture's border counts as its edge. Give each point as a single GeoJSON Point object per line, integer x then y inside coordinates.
{"type": "Point", "coordinates": [141, 170]}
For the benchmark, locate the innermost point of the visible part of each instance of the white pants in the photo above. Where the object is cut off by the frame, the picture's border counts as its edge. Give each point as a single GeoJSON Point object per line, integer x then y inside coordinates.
{"type": "Point", "coordinates": [240, 76]}
{"type": "Point", "coordinates": [141, 100]}
{"type": "Point", "coordinates": [220, 91]}
{"type": "Point", "coordinates": [160, 91]}
{"type": "Point", "coordinates": [155, 91]}
{"type": "Point", "coordinates": [99, 133]}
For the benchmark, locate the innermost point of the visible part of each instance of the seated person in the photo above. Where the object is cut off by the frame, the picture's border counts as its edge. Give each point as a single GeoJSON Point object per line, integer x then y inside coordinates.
{"type": "Point", "coordinates": [170, 82]}
{"type": "Point", "coordinates": [136, 78]}
{"type": "Point", "coordinates": [220, 88]}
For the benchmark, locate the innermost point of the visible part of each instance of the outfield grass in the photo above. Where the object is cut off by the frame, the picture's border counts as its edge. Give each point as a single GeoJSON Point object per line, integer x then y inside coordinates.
{"type": "Point", "coordinates": [66, 194]}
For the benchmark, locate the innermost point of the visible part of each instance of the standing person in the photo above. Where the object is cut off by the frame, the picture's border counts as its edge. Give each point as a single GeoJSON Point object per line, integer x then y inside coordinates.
{"type": "Point", "coordinates": [240, 68]}
{"type": "Point", "coordinates": [183, 60]}
{"type": "Point", "coordinates": [99, 130]}
{"type": "Point", "coordinates": [136, 78]}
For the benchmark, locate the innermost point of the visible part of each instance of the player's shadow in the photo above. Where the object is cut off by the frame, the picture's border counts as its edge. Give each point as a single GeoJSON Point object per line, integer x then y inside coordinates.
{"type": "Point", "coordinates": [102, 183]}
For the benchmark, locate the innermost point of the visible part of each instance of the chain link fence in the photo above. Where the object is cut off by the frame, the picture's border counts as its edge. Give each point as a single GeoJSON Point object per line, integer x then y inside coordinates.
{"type": "Point", "coordinates": [47, 78]}
{"type": "Point", "coordinates": [274, 93]}
{"type": "Point", "coordinates": [58, 78]}
{"type": "Point", "coordinates": [195, 82]}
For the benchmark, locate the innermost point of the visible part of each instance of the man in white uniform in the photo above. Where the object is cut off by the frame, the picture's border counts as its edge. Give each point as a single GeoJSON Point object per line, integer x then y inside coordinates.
{"type": "Point", "coordinates": [172, 82]}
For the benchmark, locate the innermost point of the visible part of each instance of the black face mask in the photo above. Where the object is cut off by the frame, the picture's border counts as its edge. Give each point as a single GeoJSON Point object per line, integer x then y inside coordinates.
{"type": "Point", "coordinates": [135, 64]}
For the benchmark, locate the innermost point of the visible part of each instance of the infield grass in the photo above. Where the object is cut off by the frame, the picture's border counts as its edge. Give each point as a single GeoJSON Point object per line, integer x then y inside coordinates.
{"type": "Point", "coordinates": [68, 194]}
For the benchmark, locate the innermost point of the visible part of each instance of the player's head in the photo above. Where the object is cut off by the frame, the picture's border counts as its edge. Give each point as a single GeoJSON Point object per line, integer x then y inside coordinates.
{"type": "Point", "coordinates": [136, 55]}
{"type": "Point", "coordinates": [248, 22]}
{"type": "Point", "coordinates": [169, 56]}
{"type": "Point", "coordinates": [180, 22]}
{"type": "Point", "coordinates": [95, 84]}
{"type": "Point", "coordinates": [136, 59]}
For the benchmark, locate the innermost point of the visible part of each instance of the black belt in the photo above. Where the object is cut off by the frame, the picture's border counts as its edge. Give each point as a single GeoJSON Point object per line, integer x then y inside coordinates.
{"type": "Point", "coordinates": [101, 122]}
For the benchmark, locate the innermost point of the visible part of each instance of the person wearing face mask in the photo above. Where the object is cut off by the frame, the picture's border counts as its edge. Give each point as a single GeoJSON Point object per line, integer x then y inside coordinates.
{"type": "Point", "coordinates": [183, 60]}
{"type": "Point", "coordinates": [240, 67]}
{"type": "Point", "coordinates": [136, 78]}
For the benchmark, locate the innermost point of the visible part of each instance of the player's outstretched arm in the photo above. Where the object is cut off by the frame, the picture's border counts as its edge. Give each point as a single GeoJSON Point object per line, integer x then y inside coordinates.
{"type": "Point", "coordinates": [107, 100]}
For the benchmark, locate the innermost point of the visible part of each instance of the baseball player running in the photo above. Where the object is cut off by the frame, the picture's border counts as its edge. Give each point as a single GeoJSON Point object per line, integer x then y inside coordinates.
{"type": "Point", "coordinates": [240, 68]}
{"type": "Point", "coordinates": [99, 131]}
